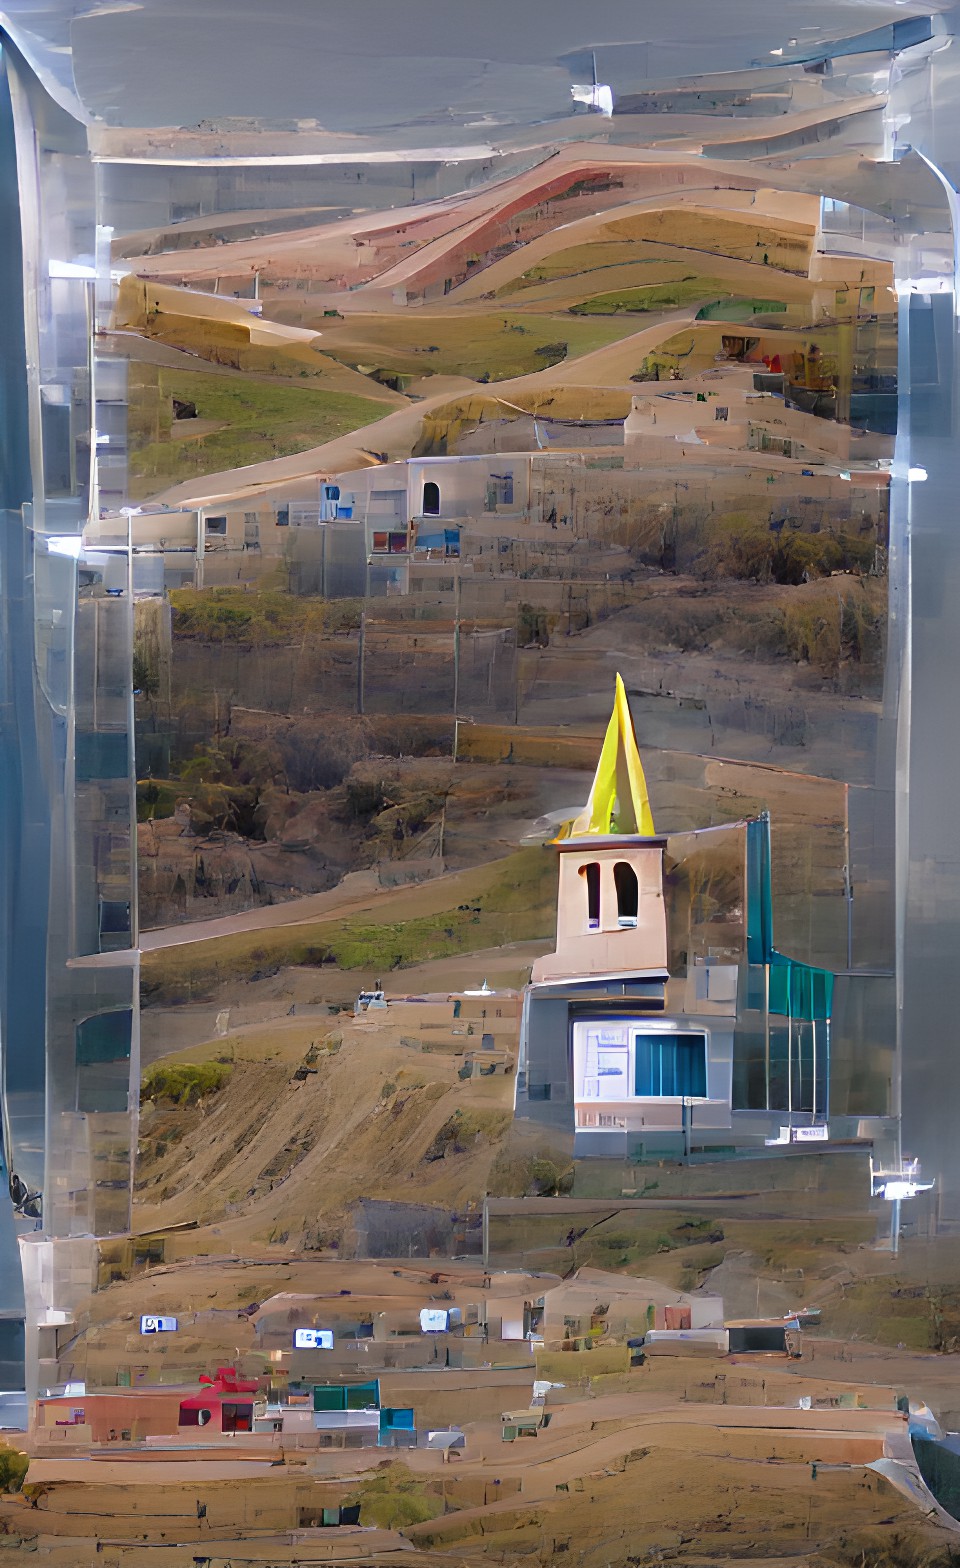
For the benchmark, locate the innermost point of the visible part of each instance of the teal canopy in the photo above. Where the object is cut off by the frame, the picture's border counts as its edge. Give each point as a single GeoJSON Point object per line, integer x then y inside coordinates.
{"type": "Point", "coordinates": [796, 990]}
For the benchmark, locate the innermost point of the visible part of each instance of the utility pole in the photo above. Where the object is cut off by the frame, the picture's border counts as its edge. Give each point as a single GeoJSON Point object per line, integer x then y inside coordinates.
{"type": "Point", "coordinates": [360, 652]}
{"type": "Point", "coordinates": [456, 647]}
{"type": "Point", "coordinates": [846, 335]}
{"type": "Point", "coordinates": [201, 537]}
{"type": "Point", "coordinates": [486, 1233]}
{"type": "Point", "coordinates": [847, 874]}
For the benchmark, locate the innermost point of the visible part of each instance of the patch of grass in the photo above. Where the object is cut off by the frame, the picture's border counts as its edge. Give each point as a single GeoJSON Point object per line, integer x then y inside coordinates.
{"type": "Point", "coordinates": [164, 314]}
{"type": "Point", "coordinates": [666, 1243]}
{"type": "Point", "coordinates": [717, 234]}
{"type": "Point", "coordinates": [653, 296]}
{"type": "Point", "coordinates": [807, 1243]}
{"type": "Point", "coordinates": [260, 421]}
{"type": "Point", "coordinates": [486, 346]}
{"type": "Point", "coordinates": [227, 343]}
{"type": "Point", "coordinates": [515, 901]}
{"type": "Point", "coordinates": [184, 1082]}
{"type": "Point", "coordinates": [620, 1240]}
{"type": "Point", "coordinates": [630, 242]}
{"type": "Point", "coordinates": [890, 1310]}
{"type": "Point", "coordinates": [737, 309]}
{"type": "Point", "coordinates": [266, 619]}
{"type": "Point", "coordinates": [598, 256]}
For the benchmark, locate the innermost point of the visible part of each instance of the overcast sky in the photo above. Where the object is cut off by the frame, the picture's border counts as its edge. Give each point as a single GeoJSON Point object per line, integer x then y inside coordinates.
{"type": "Point", "coordinates": [390, 66]}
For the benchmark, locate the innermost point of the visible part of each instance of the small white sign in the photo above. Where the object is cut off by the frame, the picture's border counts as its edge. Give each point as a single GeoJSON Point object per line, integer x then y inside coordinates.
{"type": "Point", "coordinates": [433, 1320]}
{"type": "Point", "coordinates": [811, 1134]}
{"type": "Point", "coordinates": [896, 1191]}
{"type": "Point", "coordinates": [154, 1325]}
{"type": "Point", "coordinates": [313, 1339]}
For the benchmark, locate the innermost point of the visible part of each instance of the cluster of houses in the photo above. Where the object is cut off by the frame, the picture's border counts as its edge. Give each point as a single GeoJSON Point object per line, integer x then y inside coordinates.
{"type": "Point", "coordinates": [331, 1373]}
{"type": "Point", "coordinates": [233, 1408]}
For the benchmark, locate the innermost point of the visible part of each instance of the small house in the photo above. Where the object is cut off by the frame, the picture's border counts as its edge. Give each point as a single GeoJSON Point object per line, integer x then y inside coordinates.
{"type": "Point", "coordinates": [224, 1404]}
{"type": "Point", "coordinates": [523, 1423]}
{"type": "Point", "coordinates": [764, 1336]}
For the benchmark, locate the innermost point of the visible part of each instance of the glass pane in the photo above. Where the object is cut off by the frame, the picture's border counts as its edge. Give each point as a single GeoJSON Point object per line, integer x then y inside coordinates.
{"type": "Point", "coordinates": [643, 1073]}
{"type": "Point", "coordinates": [105, 1038]}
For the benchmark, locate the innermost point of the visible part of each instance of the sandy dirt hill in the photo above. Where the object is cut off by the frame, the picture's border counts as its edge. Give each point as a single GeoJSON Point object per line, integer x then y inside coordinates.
{"type": "Point", "coordinates": [382, 1114]}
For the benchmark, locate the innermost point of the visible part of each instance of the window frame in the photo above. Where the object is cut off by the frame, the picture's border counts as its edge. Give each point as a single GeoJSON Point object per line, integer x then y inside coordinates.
{"type": "Point", "coordinates": [678, 1039]}
{"type": "Point", "coordinates": [238, 1413]}
{"type": "Point", "coordinates": [625, 873]}
{"type": "Point", "coordinates": [591, 874]}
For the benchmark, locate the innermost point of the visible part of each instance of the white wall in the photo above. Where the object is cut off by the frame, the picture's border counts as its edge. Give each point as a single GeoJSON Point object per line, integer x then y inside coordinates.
{"type": "Point", "coordinates": [462, 483]}
{"type": "Point", "coordinates": [346, 1420]}
{"type": "Point", "coordinates": [612, 1094]}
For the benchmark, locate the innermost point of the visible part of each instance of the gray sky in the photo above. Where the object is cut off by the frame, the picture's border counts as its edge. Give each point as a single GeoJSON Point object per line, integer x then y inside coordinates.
{"type": "Point", "coordinates": [390, 66]}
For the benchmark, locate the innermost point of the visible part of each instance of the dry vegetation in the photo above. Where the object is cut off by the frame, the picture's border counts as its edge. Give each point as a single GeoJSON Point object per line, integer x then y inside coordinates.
{"type": "Point", "coordinates": [507, 901]}
{"type": "Point", "coordinates": [313, 1118]}
{"type": "Point", "coordinates": [826, 626]}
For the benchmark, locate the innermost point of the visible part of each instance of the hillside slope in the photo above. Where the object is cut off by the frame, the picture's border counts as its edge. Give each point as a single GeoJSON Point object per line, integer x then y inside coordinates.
{"type": "Point", "coordinates": [380, 1113]}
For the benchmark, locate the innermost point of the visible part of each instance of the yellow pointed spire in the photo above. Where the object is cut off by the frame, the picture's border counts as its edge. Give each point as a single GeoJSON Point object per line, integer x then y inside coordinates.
{"type": "Point", "coordinates": [618, 801]}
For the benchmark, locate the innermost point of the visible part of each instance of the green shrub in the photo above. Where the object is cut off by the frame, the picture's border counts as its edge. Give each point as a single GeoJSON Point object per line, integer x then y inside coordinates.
{"type": "Point", "coordinates": [13, 1468]}
{"type": "Point", "coordinates": [184, 1082]}
{"type": "Point", "coordinates": [392, 1499]}
{"type": "Point", "coordinates": [156, 798]}
{"type": "Point", "coordinates": [262, 619]}
{"type": "Point", "coordinates": [652, 296]}
{"type": "Point", "coordinates": [548, 1179]}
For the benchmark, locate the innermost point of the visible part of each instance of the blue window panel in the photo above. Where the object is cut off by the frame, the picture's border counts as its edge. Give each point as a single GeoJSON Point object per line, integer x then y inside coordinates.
{"type": "Point", "coordinates": [670, 1065]}
{"type": "Point", "coordinates": [105, 1037]}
